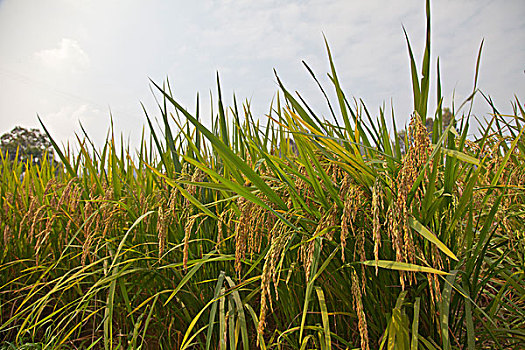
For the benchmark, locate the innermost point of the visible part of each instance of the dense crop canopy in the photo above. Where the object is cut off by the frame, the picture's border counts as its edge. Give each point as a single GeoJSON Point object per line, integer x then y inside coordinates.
{"type": "Point", "coordinates": [288, 232]}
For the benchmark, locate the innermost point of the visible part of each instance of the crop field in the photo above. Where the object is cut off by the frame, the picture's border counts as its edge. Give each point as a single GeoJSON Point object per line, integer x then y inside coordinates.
{"type": "Point", "coordinates": [285, 231]}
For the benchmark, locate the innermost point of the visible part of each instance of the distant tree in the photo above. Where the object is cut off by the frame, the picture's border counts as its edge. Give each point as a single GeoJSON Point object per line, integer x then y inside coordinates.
{"type": "Point", "coordinates": [288, 147]}
{"type": "Point", "coordinates": [429, 124]}
{"type": "Point", "coordinates": [31, 144]}
{"type": "Point", "coordinates": [447, 117]}
{"type": "Point", "coordinates": [401, 139]}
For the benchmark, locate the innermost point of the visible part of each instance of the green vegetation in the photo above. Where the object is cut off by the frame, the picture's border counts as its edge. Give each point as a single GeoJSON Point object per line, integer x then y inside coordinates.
{"type": "Point", "coordinates": [231, 237]}
{"type": "Point", "coordinates": [25, 145]}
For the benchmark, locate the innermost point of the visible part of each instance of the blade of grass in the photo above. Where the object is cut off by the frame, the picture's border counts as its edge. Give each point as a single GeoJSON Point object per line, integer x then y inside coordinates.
{"type": "Point", "coordinates": [324, 316]}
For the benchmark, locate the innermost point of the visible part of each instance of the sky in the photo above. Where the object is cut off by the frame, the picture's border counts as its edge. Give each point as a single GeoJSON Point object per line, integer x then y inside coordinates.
{"type": "Point", "coordinates": [80, 61]}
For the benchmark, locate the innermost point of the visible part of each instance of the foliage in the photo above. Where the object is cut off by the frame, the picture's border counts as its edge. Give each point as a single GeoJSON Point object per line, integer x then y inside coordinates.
{"type": "Point", "coordinates": [25, 145]}
{"type": "Point", "coordinates": [214, 238]}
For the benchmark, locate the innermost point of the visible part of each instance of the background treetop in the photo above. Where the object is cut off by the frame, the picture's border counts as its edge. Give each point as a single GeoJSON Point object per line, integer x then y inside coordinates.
{"type": "Point", "coordinates": [25, 144]}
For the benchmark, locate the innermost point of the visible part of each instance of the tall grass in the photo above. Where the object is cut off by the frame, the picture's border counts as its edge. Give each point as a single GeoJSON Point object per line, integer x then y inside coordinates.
{"type": "Point", "coordinates": [232, 236]}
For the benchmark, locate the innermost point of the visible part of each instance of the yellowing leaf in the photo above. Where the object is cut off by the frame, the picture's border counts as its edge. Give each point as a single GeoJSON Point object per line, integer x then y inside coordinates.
{"type": "Point", "coordinates": [425, 232]}
{"type": "Point", "coordinates": [401, 266]}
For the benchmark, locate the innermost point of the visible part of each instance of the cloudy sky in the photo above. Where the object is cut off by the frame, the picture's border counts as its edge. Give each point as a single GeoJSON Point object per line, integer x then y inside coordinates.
{"type": "Point", "coordinates": [77, 60]}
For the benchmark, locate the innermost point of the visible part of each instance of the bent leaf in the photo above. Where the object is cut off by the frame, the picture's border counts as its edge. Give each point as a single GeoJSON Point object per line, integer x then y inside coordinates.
{"type": "Point", "coordinates": [401, 266]}
{"type": "Point", "coordinates": [425, 232]}
{"type": "Point", "coordinates": [461, 156]}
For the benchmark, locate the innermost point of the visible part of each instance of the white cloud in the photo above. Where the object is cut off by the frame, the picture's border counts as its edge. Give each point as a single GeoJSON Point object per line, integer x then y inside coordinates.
{"type": "Point", "coordinates": [67, 56]}
{"type": "Point", "coordinates": [64, 123]}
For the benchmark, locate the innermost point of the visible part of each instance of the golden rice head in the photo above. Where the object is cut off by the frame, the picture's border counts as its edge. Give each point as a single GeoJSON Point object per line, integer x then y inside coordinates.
{"type": "Point", "coordinates": [88, 211]}
{"type": "Point", "coordinates": [7, 234]}
{"type": "Point", "coordinates": [241, 231]}
{"type": "Point", "coordinates": [6, 204]}
{"type": "Point", "coordinates": [355, 200]}
{"type": "Point", "coordinates": [75, 197]}
{"type": "Point", "coordinates": [435, 289]}
{"type": "Point", "coordinates": [74, 204]}
{"type": "Point", "coordinates": [197, 176]}
{"type": "Point", "coordinates": [361, 317]}
{"type": "Point", "coordinates": [109, 218]}
{"type": "Point", "coordinates": [265, 292]}
{"type": "Point", "coordinates": [221, 223]}
{"type": "Point", "coordinates": [35, 224]}
{"type": "Point", "coordinates": [334, 171]}
{"type": "Point", "coordinates": [279, 239]}
{"type": "Point", "coordinates": [49, 187]}
{"type": "Point", "coordinates": [147, 203]}
{"type": "Point", "coordinates": [513, 201]}
{"type": "Point", "coordinates": [308, 257]}
{"type": "Point", "coordinates": [143, 201]}
{"type": "Point", "coordinates": [65, 233]}
{"type": "Point", "coordinates": [346, 220]}
{"type": "Point", "coordinates": [394, 232]}
{"type": "Point", "coordinates": [99, 221]}
{"type": "Point", "coordinates": [420, 146]}
{"type": "Point", "coordinates": [398, 213]}
{"type": "Point", "coordinates": [360, 248]}
{"type": "Point", "coordinates": [257, 223]}
{"type": "Point", "coordinates": [172, 204]}
{"type": "Point", "coordinates": [90, 218]}
{"type": "Point", "coordinates": [42, 236]}
{"type": "Point", "coordinates": [377, 207]}
{"type": "Point", "coordinates": [162, 230]}
{"type": "Point", "coordinates": [331, 220]}
{"type": "Point", "coordinates": [66, 193]}
{"type": "Point", "coordinates": [86, 246]}
{"type": "Point", "coordinates": [109, 213]}
{"type": "Point", "coordinates": [304, 189]}
{"type": "Point", "coordinates": [250, 227]}
{"type": "Point", "coordinates": [436, 257]}
{"type": "Point", "coordinates": [53, 200]}
{"type": "Point", "coordinates": [253, 235]}
{"type": "Point", "coordinates": [187, 233]}
{"type": "Point", "coordinates": [33, 203]}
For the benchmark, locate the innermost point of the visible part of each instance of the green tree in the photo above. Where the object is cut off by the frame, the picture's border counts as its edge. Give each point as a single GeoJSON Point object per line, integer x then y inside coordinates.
{"type": "Point", "coordinates": [26, 144]}
{"type": "Point", "coordinates": [447, 117]}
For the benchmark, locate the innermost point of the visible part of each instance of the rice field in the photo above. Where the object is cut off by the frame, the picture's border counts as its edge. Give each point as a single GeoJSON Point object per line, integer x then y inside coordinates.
{"type": "Point", "coordinates": [285, 231]}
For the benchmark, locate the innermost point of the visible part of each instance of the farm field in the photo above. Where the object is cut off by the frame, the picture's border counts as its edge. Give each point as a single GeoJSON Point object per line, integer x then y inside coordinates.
{"type": "Point", "coordinates": [285, 231]}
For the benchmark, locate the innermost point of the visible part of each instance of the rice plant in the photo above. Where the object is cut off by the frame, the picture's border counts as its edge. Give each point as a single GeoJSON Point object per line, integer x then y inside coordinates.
{"type": "Point", "coordinates": [288, 231]}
